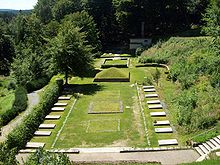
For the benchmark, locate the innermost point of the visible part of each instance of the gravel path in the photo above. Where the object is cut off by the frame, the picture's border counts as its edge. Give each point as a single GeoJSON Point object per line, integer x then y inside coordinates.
{"type": "Point", "coordinates": [165, 157]}
{"type": "Point", "coordinates": [33, 99]}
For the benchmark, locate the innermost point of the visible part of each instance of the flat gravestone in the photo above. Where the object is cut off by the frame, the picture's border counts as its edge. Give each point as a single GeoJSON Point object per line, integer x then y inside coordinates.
{"type": "Point", "coordinates": [42, 133]}
{"type": "Point", "coordinates": [159, 106]}
{"type": "Point", "coordinates": [153, 102]}
{"type": "Point", "coordinates": [164, 130]}
{"type": "Point", "coordinates": [52, 117]}
{"type": "Point", "coordinates": [57, 109]}
{"type": "Point", "coordinates": [162, 122]}
{"type": "Point", "coordinates": [47, 126]}
{"type": "Point", "coordinates": [60, 104]}
{"type": "Point", "coordinates": [148, 87]}
{"type": "Point", "coordinates": [150, 90]}
{"type": "Point", "coordinates": [34, 145]}
{"type": "Point", "coordinates": [151, 95]}
{"type": "Point", "coordinates": [155, 114]}
{"type": "Point", "coordinates": [64, 98]}
{"type": "Point", "coordinates": [167, 142]}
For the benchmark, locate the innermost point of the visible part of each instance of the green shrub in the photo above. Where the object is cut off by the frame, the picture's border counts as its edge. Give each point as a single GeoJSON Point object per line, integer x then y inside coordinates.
{"type": "Point", "coordinates": [19, 105]}
{"type": "Point", "coordinates": [37, 84]}
{"type": "Point", "coordinates": [24, 132]}
{"type": "Point", "coordinates": [7, 156]}
{"type": "Point", "coordinates": [11, 85]}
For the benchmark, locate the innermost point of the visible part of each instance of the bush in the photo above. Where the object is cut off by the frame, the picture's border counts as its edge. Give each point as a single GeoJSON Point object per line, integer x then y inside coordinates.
{"type": "Point", "coordinates": [24, 132]}
{"type": "Point", "coordinates": [7, 156]}
{"type": "Point", "coordinates": [37, 84]}
{"type": "Point", "coordinates": [19, 105]}
{"type": "Point", "coordinates": [11, 85]}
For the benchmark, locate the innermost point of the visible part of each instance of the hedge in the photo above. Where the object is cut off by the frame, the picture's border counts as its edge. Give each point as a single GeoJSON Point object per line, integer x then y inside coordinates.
{"type": "Point", "coordinates": [19, 105]}
{"type": "Point", "coordinates": [24, 132]}
{"type": "Point", "coordinates": [37, 84]}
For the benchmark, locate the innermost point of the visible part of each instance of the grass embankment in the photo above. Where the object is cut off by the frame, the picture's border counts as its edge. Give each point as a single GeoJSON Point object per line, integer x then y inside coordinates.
{"type": "Point", "coordinates": [194, 64]}
{"type": "Point", "coordinates": [113, 73]}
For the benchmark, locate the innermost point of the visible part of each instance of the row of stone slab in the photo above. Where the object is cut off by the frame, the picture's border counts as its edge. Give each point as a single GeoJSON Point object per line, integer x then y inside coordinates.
{"type": "Point", "coordinates": [156, 104]}
{"type": "Point", "coordinates": [57, 107]}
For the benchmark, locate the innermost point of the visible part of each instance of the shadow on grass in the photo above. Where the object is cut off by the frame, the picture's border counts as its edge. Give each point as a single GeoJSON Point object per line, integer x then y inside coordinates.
{"type": "Point", "coordinates": [85, 89]}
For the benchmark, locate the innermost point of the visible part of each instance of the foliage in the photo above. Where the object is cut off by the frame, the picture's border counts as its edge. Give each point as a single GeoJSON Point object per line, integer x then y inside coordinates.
{"type": "Point", "coordinates": [37, 84]}
{"type": "Point", "coordinates": [70, 52]}
{"type": "Point", "coordinates": [7, 156]}
{"type": "Point", "coordinates": [156, 75]}
{"type": "Point", "coordinates": [24, 132]}
{"type": "Point", "coordinates": [42, 157]}
{"type": "Point", "coordinates": [19, 105]}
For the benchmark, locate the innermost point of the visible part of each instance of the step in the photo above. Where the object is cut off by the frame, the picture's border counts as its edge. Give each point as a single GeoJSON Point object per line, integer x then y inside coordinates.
{"type": "Point", "coordinates": [217, 140]}
{"type": "Point", "coordinates": [153, 102]}
{"type": "Point", "coordinates": [167, 142]}
{"type": "Point", "coordinates": [199, 151]}
{"type": "Point", "coordinates": [164, 130]}
{"type": "Point", "coordinates": [47, 126]}
{"type": "Point", "coordinates": [218, 137]}
{"type": "Point", "coordinates": [210, 144]}
{"type": "Point", "coordinates": [155, 114]}
{"type": "Point", "coordinates": [64, 98]}
{"type": "Point", "coordinates": [151, 95]}
{"type": "Point", "coordinates": [159, 106]}
{"type": "Point", "coordinates": [148, 87]}
{"type": "Point", "coordinates": [150, 90]}
{"type": "Point", "coordinates": [60, 104]}
{"type": "Point", "coordinates": [34, 145]}
{"type": "Point", "coordinates": [52, 117]}
{"type": "Point", "coordinates": [162, 122]}
{"type": "Point", "coordinates": [214, 142]}
{"type": "Point", "coordinates": [203, 149]}
{"type": "Point", "coordinates": [42, 133]}
{"type": "Point", "coordinates": [57, 109]}
{"type": "Point", "coordinates": [207, 146]}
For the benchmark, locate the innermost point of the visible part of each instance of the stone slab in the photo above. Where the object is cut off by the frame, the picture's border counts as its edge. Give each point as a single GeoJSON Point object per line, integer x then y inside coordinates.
{"type": "Point", "coordinates": [34, 145]}
{"type": "Point", "coordinates": [217, 140]}
{"type": "Point", "coordinates": [64, 98]}
{"type": "Point", "coordinates": [155, 114]}
{"type": "Point", "coordinates": [60, 104]}
{"type": "Point", "coordinates": [151, 95]}
{"type": "Point", "coordinates": [167, 142]}
{"type": "Point", "coordinates": [217, 153]}
{"type": "Point", "coordinates": [164, 130]}
{"type": "Point", "coordinates": [153, 102]}
{"type": "Point", "coordinates": [214, 142]}
{"type": "Point", "coordinates": [52, 117]}
{"type": "Point", "coordinates": [42, 133]}
{"type": "Point", "coordinates": [57, 109]}
{"type": "Point", "coordinates": [47, 126]}
{"type": "Point", "coordinates": [150, 90]}
{"type": "Point", "coordinates": [162, 122]}
{"type": "Point", "coordinates": [159, 106]}
{"type": "Point", "coordinates": [148, 87]}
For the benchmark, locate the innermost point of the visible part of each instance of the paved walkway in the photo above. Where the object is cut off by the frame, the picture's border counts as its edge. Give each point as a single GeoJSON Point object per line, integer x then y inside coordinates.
{"type": "Point", "coordinates": [165, 157]}
{"type": "Point", "coordinates": [33, 99]}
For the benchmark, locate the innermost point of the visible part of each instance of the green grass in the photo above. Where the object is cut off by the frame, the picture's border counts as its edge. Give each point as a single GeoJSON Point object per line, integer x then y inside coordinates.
{"type": "Point", "coordinates": [113, 73]}
{"type": "Point", "coordinates": [115, 62]}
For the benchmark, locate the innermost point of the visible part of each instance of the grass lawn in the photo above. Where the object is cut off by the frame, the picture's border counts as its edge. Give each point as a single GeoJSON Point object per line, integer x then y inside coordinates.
{"type": "Point", "coordinates": [116, 62]}
{"type": "Point", "coordinates": [112, 129]}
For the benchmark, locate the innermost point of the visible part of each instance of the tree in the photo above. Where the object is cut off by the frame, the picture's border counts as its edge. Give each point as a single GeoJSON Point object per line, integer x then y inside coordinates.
{"type": "Point", "coordinates": [70, 52]}
{"type": "Point", "coordinates": [156, 75]}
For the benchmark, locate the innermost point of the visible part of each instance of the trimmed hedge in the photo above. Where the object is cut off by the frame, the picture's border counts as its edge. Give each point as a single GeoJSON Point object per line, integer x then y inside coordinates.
{"type": "Point", "coordinates": [37, 84]}
{"type": "Point", "coordinates": [24, 132]}
{"type": "Point", "coordinates": [19, 105]}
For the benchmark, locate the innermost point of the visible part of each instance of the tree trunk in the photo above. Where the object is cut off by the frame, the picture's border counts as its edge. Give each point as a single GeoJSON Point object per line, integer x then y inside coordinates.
{"type": "Point", "coordinates": [66, 77]}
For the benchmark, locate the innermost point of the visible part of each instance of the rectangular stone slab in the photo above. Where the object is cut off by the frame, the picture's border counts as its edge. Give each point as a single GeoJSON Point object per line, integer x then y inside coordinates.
{"type": "Point", "coordinates": [47, 126]}
{"type": "Point", "coordinates": [64, 98]}
{"type": "Point", "coordinates": [150, 90]}
{"type": "Point", "coordinates": [34, 145]}
{"type": "Point", "coordinates": [153, 102]}
{"type": "Point", "coordinates": [162, 122]}
{"type": "Point", "coordinates": [151, 95]}
{"type": "Point", "coordinates": [158, 114]}
{"type": "Point", "coordinates": [42, 133]}
{"type": "Point", "coordinates": [60, 104]}
{"type": "Point", "coordinates": [159, 106]}
{"type": "Point", "coordinates": [164, 130]}
{"type": "Point", "coordinates": [57, 109]}
{"type": "Point", "coordinates": [167, 142]}
{"type": "Point", "coordinates": [52, 117]}
{"type": "Point", "coordinates": [148, 87]}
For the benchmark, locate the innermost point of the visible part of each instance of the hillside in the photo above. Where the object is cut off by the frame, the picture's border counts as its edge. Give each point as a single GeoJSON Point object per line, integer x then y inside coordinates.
{"type": "Point", "coordinates": [194, 64]}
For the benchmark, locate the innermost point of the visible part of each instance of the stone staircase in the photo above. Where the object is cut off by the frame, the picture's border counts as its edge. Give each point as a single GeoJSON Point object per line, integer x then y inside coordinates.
{"type": "Point", "coordinates": [205, 148]}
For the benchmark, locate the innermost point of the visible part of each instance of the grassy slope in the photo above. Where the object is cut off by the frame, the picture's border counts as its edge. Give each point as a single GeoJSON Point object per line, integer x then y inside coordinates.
{"type": "Point", "coordinates": [112, 73]}
{"type": "Point", "coordinates": [199, 58]}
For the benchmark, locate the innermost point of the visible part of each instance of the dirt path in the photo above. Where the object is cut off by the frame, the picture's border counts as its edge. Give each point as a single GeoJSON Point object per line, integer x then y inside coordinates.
{"type": "Point", "coordinates": [33, 99]}
{"type": "Point", "coordinates": [165, 157]}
